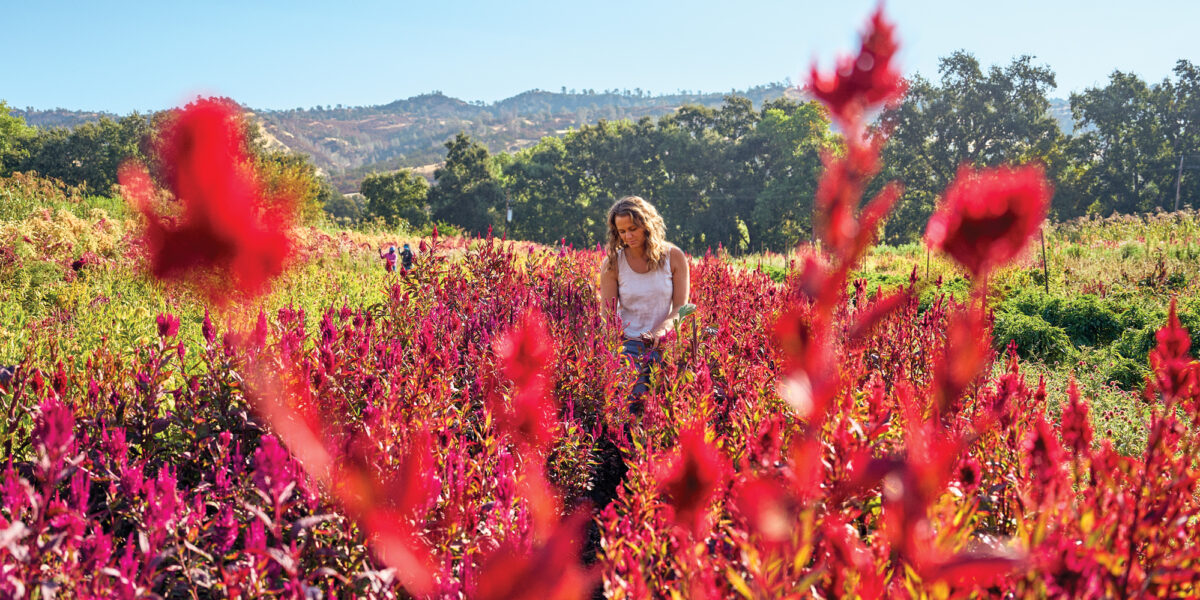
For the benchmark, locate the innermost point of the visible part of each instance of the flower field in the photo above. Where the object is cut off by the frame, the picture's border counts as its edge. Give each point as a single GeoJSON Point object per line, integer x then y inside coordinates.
{"type": "Point", "coordinates": [270, 414]}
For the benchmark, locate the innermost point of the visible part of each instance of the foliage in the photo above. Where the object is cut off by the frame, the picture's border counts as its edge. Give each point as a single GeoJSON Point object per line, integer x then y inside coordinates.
{"type": "Point", "coordinates": [293, 176]}
{"type": "Point", "coordinates": [399, 197]}
{"type": "Point", "coordinates": [970, 117]}
{"type": "Point", "coordinates": [346, 210]}
{"type": "Point", "coordinates": [1136, 135]}
{"type": "Point", "coordinates": [1126, 373]}
{"type": "Point", "coordinates": [14, 135]}
{"type": "Point", "coordinates": [468, 193]}
{"type": "Point", "coordinates": [1033, 336]}
{"type": "Point", "coordinates": [88, 155]}
{"type": "Point", "coordinates": [1087, 321]}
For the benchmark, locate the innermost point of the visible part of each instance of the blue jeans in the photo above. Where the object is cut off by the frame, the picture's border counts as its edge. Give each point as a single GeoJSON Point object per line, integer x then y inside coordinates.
{"type": "Point", "coordinates": [643, 358]}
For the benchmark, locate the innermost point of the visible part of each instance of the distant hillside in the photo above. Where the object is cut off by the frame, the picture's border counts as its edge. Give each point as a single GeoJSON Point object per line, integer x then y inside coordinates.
{"type": "Point", "coordinates": [1061, 111]}
{"type": "Point", "coordinates": [60, 117]}
{"type": "Point", "coordinates": [349, 142]}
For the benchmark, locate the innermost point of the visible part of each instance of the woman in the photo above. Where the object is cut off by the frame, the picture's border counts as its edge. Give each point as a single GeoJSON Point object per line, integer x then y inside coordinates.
{"type": "Point", "coordinates": [645, 277]}
{"type": "Point", "coordinates": [646, 280]}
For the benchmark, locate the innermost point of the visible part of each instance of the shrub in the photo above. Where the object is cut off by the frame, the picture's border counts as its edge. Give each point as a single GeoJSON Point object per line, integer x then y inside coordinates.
{"type": "Point", "coordinates": [1137, 316]}
{"type": "Point", "coordinates": [1136, 343]}
{"type": "Point", "coordinates": [1087, 321]}
{"type": "Point", "coordinates": [1027, 302]}
{"type": "Point", "coordinates": [1035, 338]}
{"type": "Point", "coordinates": [1127, 373]}
{"type": "Point", "coordinates": [777, 274]}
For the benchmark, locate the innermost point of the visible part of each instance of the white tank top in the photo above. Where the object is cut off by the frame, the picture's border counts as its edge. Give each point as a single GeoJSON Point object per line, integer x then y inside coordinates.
{"type": "Point", "coordinates": [644, 299]}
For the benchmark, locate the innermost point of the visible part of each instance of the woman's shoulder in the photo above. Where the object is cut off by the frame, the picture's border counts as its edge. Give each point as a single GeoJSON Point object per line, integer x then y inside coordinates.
{"type": "Point", "coordinates": [675, 254]}
{"type": "Point", "coordinates": [612, 262]}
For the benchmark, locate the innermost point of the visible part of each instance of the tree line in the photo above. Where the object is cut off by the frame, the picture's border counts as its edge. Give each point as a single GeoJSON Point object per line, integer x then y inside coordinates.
{"type": "Point", "coordinates": [87, 156]}
{"type": "Point", "coordinates": [745, 178]}
{"type": "Point", "coordinates": [735, 175]}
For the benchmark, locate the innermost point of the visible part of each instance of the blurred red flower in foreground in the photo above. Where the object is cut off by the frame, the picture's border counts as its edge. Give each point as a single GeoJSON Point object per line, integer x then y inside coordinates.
{"type": "Point", "coordinates": [550, 571]}
{"type": "Point", "coordinates": [987, 216]}
{"type": "Point", "coordinates": [865, 80]}
{"type": "Point", "coordinates": [692, 480]}
{"type": "Point", "coordinates": [526, 356]}
{"type": "Point", "coordinates": [224, 240]}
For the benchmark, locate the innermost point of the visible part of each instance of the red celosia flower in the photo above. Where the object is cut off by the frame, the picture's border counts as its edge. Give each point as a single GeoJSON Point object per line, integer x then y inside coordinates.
{"type": "Point", "coordinates": [987, 216]}
{"type": "Point", "coordinates": [864, 81]}
{"type": "Point", "coordinates": [970, 473]}
{"type": "Point", "coordinates": [1076, 426]}
{"type": "Point", "coordinates": [692, 480]}
{"type": "Point", "coordinates": [840, 189]}
{"type": "Point", "coordinates": [224, 240]}
{"type": "Point", "coordinates": [967, 351]}
{"type": "Point", "coordinates": [1043, 458]}
{"type": "Point", "coordinates": [843, 551]}
{"type": "Point", "coordinates": [1174, 375]}
{"type": "Point", "coordinates": [810, 380]}
{"type": "Point", "coordinates": [967, 571]}
{"type": "Point", "coordinates": [273, 470]}
{"type": "Point", "coordinates": [387, 506]}
{"type": "Point", "coordinates": [526, 357]}
{"type": "Point", "coordinates": [54, 433]}
{"type": "Point", "coordinates": [770, 509]}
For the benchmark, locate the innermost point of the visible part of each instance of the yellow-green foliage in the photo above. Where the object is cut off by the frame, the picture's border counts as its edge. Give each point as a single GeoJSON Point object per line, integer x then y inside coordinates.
{"type": "Point", "coordinates": [47, 307]}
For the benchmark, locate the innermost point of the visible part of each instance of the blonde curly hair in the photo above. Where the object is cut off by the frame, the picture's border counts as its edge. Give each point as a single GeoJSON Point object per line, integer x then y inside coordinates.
{"type": "Point", "coordinates": [644, 215]}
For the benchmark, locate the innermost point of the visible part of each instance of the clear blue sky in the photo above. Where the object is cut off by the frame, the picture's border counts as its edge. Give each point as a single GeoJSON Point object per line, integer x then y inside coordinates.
{"type": "Point", "coordinates": [125, 55]}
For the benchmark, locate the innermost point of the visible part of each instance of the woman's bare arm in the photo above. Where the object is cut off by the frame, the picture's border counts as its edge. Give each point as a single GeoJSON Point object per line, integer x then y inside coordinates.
{"type": "Point", "coordinates": [608, 288]}
{"type": "Point", "coordinates": [680, 282]}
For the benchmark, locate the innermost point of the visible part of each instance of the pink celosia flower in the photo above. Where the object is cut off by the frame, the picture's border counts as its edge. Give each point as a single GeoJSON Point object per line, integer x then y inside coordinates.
{"type": "Point", "coordinates": [54, 433]}
{"type": "Point", "coordinates": [273, 472]}
{"type": "Point", "coordinates": [168, 325]}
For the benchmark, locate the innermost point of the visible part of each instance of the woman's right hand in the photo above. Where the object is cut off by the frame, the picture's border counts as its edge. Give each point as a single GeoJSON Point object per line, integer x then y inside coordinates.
{"type": "Point", "coordinates": [653, 339]}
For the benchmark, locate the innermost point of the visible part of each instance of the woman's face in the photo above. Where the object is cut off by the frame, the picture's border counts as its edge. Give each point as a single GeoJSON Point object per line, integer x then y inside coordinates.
{"type": "Point", "coordinates": [629, 232]}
